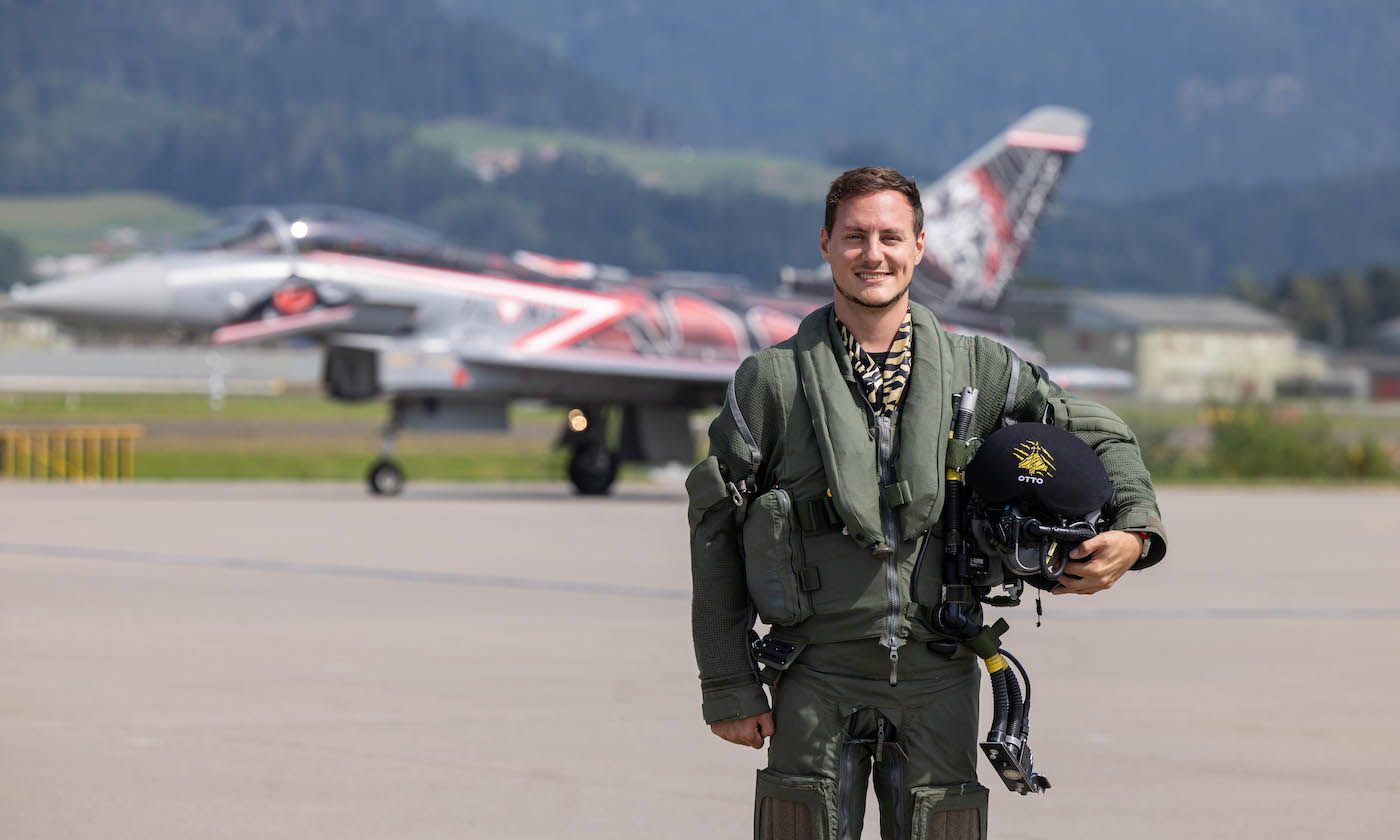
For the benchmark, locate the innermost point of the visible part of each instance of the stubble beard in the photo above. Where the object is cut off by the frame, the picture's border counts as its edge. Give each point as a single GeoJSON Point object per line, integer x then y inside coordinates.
{"type": "Point", "coordinates": [899, 295]}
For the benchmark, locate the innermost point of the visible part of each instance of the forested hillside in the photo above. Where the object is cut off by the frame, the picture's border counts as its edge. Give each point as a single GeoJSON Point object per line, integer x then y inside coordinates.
{"type": "Point", "coordinates": [405, 59]}
{"type": "Point", "coordinates": [218, 102]}
{"type": "Point", "coordinates": [251, 101]}
{"type": "Point", "coordinates": [1182, 92]}
{"type": "Point", "coordinates": [200, 98]}
{"type": "Point", "coordinates": [1197, 239]}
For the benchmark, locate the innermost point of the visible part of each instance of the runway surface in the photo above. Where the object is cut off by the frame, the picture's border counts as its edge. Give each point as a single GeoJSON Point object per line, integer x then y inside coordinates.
{"type": "Point", "coordinates": [301, 661]}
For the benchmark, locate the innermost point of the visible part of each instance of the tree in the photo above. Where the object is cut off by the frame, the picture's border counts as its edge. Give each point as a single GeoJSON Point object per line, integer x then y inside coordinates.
{"type": "Point", "coordinates": [1246, 287]}
{"type": "Point", "coordinates": [14, 263]}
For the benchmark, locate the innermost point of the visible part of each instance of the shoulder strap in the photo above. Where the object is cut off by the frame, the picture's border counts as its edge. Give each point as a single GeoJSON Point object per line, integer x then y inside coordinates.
{"type": "Point", "coordinates": [1010, 388]}
{"type": "Point", "coordinates": [755, 457]}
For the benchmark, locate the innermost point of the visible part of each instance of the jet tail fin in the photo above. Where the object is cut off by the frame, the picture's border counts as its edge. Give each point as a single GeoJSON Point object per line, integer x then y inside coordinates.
{"type": "Point", "coordinates": [979, 218]}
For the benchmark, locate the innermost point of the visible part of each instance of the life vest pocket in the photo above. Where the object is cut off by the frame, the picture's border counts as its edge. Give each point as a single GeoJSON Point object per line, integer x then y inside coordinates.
{"type": "Point", "coordinates": [773, 561]}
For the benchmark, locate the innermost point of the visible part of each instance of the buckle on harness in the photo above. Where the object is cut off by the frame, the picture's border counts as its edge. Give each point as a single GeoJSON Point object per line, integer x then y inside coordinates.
{"type": "Point", "coordinates": [736, 492]}
{"type": "Point", "coordinates": [776, 653]}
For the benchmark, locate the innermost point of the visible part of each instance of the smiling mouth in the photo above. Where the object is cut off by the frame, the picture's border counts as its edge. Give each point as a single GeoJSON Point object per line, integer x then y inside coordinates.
{"type": "Point", "coordinates": [873, 275]}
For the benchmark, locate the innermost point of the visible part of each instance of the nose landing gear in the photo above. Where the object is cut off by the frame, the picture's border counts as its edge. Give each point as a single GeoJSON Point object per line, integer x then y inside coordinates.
{"type": "Point", "coordinates": [385, 477]}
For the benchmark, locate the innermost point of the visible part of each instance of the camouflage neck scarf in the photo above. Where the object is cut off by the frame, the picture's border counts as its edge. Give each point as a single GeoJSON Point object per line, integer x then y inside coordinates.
{"type": "Point", "coordinates": [883, 384]}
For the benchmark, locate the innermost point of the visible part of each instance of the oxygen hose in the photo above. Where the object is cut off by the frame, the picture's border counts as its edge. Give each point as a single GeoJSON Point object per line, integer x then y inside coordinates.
{"type": "Point", "coordinates": [1016, 713]}
{"type": "Point", "coordinates": [997, 671]}
{"type": "Point", "coordinates": [1025, 725]}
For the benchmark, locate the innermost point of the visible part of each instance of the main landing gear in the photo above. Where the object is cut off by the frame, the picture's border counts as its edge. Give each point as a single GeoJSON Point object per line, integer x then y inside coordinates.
{"type": "Point", "coordinates": [592, 464]}
{"type": "Point", "coordinates": [593, 469]}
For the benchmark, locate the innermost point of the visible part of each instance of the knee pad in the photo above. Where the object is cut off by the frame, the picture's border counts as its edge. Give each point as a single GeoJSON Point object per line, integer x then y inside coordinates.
{"type": "Point", "coordinates": [787, 807]}
{"type": "Point", "coordinates": [951, 812]}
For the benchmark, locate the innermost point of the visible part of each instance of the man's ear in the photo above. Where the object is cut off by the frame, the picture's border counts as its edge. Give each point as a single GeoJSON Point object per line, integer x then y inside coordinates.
{"type": "Point", "coordinates": [825, 243]}
{"type": "Point", "coordinates": [919, 244]}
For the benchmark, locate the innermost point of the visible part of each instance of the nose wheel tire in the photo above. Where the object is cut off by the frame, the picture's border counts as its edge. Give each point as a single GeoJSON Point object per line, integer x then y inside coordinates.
{"type": "Point", "coordinates": [592, 469]}
{"type": "Point", "coordinates": [385, 478]}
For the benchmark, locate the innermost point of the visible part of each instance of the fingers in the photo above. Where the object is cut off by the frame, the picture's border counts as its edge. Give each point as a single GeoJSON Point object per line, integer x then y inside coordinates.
{"type": "Point", "coordinates": [1110, 554]}
{"type": "Point", "coordinates": [1087, 547]}
{"type": "Point", "coordinates": [750, 736]}
{"type": "Point", "coordinates": [746, 732]}
{"type": "Point", "coordinates": [765, 725]}
{"type": "Point", "coordinates": [1078, 587]}
{"type": "Point", "coordinates": [1080, 578]}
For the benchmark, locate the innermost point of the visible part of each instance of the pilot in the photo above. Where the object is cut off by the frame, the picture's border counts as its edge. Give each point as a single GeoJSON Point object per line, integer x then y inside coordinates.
{"type": "Point", "coordinates": [824, 478]}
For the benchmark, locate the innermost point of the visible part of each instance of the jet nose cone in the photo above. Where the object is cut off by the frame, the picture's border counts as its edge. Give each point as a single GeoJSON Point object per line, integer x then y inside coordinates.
{"type": "Point", "coordinates": [132, 293]}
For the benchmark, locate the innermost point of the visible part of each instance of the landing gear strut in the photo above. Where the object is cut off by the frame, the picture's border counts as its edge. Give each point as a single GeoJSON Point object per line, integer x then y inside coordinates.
{"type": "Point", "coordinates": [592, 464]}
{"type": "Point", "coordinates": [385, 476]}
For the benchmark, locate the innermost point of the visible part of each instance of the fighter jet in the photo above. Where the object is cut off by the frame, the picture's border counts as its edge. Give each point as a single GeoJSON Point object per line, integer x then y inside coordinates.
{"type": "Point", "coordinates": [450, 336]}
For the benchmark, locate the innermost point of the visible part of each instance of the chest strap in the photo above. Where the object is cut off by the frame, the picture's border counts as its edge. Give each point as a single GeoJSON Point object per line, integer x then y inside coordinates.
{"type": "Point", "coordinates": [817, 514]}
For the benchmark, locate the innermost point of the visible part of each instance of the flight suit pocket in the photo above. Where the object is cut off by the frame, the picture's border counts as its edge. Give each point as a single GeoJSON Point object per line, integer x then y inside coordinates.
{"type": "Point", "coordinates": [773, 560]}
{"type": "Point", "coordinates": [950, 812]}
{"type": "Point", "coordinates": [787, 807]}
{"type": "Point", "coordinates": [706, 488]}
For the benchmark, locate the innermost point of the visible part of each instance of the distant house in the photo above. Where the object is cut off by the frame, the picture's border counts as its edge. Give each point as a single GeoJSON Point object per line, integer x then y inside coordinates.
{"type": "Point", "coordinates": [1178, 348]}
{"type": "Point", "coordinates": [1376, 374]}
{"type": "Point", "coordinates": [1385, 336]}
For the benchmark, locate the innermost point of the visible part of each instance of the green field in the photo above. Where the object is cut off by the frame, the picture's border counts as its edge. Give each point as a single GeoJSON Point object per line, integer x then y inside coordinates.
{"type": "Point", "coordinates": [295, 437]}
{"type": "Point", "coordinates": [310, 437]}
{"type": "Point", "coordinates": [55, 225]}
{"type": "Point", "coordinates": [668, 168]}
{"type": "Point", "coordinates": [166, 408]}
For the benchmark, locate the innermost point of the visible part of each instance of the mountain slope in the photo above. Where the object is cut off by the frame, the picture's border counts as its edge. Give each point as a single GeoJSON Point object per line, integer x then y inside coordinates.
{"type": "Point", "coordinates": [404, 59]}
{"type": "Point", "coordinates": [1182, 92]}
{"type": "Point", "coordinates": [1194, 240]}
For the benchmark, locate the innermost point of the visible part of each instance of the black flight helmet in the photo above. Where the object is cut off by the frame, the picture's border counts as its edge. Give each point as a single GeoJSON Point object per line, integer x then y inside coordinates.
{"type": "Point", "coordinates": [1037, 491]}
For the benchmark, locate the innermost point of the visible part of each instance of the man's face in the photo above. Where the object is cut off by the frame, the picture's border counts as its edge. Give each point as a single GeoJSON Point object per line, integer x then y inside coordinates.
{"type": "Point", "coordinates": [872, 249]}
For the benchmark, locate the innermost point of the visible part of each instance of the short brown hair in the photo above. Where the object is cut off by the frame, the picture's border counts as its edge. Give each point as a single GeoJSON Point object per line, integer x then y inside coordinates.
{"type": "Point", "coordinates": [870, 179]}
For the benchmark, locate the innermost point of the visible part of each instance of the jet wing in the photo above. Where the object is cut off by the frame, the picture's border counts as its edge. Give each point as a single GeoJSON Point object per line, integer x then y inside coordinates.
{"type": "Point", "coordinates": [612, 364]}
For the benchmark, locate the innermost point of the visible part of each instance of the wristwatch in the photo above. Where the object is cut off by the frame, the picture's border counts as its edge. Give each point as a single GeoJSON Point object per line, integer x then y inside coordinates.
{"type": "Point", "coordinates": [1146, 544]}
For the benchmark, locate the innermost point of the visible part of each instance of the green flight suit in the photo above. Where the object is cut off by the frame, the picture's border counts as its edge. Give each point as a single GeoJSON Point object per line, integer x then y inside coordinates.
{"type": "Point", "coordinates": [821, 544]}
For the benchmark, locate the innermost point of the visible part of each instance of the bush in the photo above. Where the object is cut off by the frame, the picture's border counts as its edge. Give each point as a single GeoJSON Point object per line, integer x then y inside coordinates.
{"type": "Point", "coordinates": [1250, 441]}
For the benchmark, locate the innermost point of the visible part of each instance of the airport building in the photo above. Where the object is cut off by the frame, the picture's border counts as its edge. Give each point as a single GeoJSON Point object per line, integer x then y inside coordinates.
{"type": "Point", "coordinates": [1180, 349]}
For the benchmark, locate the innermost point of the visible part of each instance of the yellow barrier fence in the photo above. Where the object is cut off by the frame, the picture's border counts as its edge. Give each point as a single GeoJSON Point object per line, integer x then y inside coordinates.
{"type": "Point", "coordinates": [72, 453]}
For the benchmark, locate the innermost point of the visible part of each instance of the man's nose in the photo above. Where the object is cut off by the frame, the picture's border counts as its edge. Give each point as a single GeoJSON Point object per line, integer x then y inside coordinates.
{"type": "Point", "coordinates": [870, 250]}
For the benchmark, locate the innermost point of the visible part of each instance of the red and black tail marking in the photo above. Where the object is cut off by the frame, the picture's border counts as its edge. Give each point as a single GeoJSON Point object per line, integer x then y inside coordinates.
{"type": "Point", "coordinates": [980, 218]}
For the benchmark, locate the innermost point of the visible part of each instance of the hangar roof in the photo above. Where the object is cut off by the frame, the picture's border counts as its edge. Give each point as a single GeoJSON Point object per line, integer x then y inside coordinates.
{"type": "Point", "coordinates": [1135, 310]}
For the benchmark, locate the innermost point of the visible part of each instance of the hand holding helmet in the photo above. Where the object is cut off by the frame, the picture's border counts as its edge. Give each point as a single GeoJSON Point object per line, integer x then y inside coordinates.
{"type": "Point", "coordinates": [1038, 493]}
{"type": "Point", "coordinates": [1098, 563]}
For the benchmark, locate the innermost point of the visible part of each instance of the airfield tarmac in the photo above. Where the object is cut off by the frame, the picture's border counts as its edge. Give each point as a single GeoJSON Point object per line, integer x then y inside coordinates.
{"type": "Point", "coordinates": [302, 661]}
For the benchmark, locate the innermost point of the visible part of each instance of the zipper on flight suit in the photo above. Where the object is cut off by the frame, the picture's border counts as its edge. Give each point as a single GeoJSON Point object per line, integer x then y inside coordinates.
{"type": "Point", "coordinates": [845, 787]}
{"type": "Point", "coordinates": [891, 639]}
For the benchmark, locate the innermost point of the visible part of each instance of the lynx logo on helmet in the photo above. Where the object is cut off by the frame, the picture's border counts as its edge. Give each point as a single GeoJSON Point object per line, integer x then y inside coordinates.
{"type": "Point", "coordinates": [1036, 460]}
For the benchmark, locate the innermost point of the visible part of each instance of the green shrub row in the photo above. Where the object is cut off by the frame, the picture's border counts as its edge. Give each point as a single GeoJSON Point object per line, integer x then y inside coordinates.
{"type": "Point", "coordinates": [1263, 442]}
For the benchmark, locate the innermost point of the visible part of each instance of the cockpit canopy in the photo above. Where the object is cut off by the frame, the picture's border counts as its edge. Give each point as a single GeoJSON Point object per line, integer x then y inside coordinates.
{"type": "Point", "coordinates": [302, 228]}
